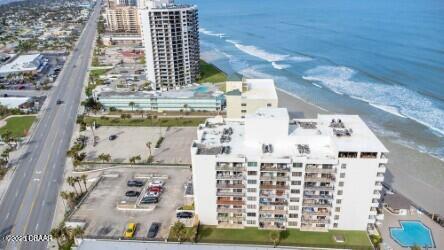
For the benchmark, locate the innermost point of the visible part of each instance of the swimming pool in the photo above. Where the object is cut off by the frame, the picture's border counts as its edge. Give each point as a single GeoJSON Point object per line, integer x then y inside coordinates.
{"type": "Point", "coordinates": [412, 233]}
{"type": "Point", "coordinates": [201, 89]}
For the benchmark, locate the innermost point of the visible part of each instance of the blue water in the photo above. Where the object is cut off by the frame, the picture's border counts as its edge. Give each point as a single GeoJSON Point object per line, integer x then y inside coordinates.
{"type": "Point", "coordinates": [412, 233]}
{"type": "Point", "coordinates": [201, 89]}
{"type": "Point", "coordinates": [383, 60]}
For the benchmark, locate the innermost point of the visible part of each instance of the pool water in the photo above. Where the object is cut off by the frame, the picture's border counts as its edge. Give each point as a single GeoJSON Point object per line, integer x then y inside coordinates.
{"type": "Point", "coordinates": [201, 89]}
{"type": "Point", "coordinates": [412, 233]}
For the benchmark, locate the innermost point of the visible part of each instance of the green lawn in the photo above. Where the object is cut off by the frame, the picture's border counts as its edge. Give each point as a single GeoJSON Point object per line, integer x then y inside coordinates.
{"type": "Point", "coordinates": [160, 122]}
{"type": "Point", "coordinates": [291, 237]}
{"type": "Point", "coordinates": [18, 126]}
{"type": "Point", "coordinates": [210, 73]}
{"type": "Point", "coordinates": [98, 72]}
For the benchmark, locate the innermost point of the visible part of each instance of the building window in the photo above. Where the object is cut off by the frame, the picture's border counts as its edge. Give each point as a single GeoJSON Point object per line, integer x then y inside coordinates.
{"type": "Point", "coordinates": [342, 175]}
{"type": "Point", "coordinates": [251, 222]}
{"type": "Point", "coordinates": [297, 165]}
{"type": "Point", "coordinates": [295, 182]}
{"type": "Point", "coordinates": [243, 111]}
{"type": "Point", "coordinates": [336, 217]}
{"type": "Point", "coordinates": [341, 183]}
{"type": "Point", "coordinates": [252, 164]}
{"type": "Point", "coordinates": [335, 225]}
{"type": "Point", "coordinates": [343, 166]}
{"type": "Point", "coordinates": [251, 214]}
{"type": "Point", "coordinates": [251, 190]}
{"type": "Point", "coordinates": [348, 154]}
{"type": "Point", "coordinates": [251, 206]}
{"type": "Point", "coordinates": [243, 104]}
{"type": "Point", "coordinates": [293, 215]}
{"type": "Point", "coordinates": [268, 104]}
{"type": "Point", "coordinates": [338, 201]}
{"type": "Point", "coordinates": [252, 172]}
{"type": "Point", "coordinates": [251, 181]}
{"type": "Point", "coordinates": [293, 223]}
{"type": "Point", "coordinates": [294, 199]}
{"type": "Point", "coordinates": [294, 207]}
{"type": "Point", "coordinates": [251, 198]}
{"type": "Point", "coordinates": [296, 174]}
{"type": "Point", "coordinates": [242, 116]}
{"type": "Point", "coordinates": [340, 192]}
{"type": "Point", "coordinates": [295, 191]}
{"type": "Point", "coordinates": [338, 209]}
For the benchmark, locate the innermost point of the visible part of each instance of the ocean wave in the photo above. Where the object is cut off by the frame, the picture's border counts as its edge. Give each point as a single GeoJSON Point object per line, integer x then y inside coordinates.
{"type": "Point", "coordinates": [259, 53]}
{"type": "Point", "coordinates": [280, 66]}
{"type": "Point", "coordinates": [300, 58]}
{"type": "Point", "coordinates": [211, 33]}
{"type": "Point", "coordinates": [393, 99]}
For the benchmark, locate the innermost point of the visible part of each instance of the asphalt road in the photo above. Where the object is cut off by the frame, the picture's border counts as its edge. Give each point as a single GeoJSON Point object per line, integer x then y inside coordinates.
{"type": "Point", "coordinates": [29, 204]}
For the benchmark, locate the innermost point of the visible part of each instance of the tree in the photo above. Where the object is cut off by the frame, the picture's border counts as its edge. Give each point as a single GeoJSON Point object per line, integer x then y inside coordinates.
{"type": "Point", "coordinates": [83, 177]}
{"type": "Point", "coordinates": [77, 178]}
{"type": "Point", "coordinates": [178, 231]}
{"type": "Point", "coordinates": [65, 197]}
{"type": "Point", "coordinates": [104, 157]}
{"type": "Point", "coordinates": [135, 158]}
{"type": "Point", "coordinates": [275, 236]}
{"type": "Point", "coordinates": [8, 138]}
{"type": "Point", "coordinates": [148, 145]}
{"type": "Point", "coordinates": [77, 232]}
{"type": "Point", "coordinates": [72, 181]}
{"type": "Point", "coordinates": [132, 105]}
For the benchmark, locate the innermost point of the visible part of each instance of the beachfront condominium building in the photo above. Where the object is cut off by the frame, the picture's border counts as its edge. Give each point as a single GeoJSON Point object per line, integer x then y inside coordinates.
{"type": "Point", "coordinates": [268, 171]}
{"type": "Point", "coordinates": [171, 39]}
{"type": "Point", "coordinates": [246, 96]}
{"type": "Point", "coordinates": [122, 19]}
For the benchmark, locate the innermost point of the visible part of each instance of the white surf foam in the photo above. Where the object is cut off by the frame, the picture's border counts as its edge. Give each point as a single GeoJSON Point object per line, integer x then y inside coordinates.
{"type": "Point", "coordinates": [259, 53]}
{"type": "Point", "coordinates": [211, 33]}
{"type": "Point", "coordinates": [393, 99]}
{"type": "Point", "coordinates": [279, 66]}
{"type": "Point", "coordinates": [300, 58]}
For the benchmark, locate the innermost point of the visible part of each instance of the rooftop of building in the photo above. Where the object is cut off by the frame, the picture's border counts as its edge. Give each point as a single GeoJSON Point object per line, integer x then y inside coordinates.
{"type": "Point", "coordinates": [206, 91]}
{"type": "Point", "coordinates": [253, 88]}
{"type": "Point", "coordinates": [21, 63]}
{"type": "Point", "coordinates": [320, 138]}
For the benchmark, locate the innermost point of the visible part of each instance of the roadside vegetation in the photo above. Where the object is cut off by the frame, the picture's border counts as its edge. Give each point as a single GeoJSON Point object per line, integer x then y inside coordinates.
{"type": "Point", "coordinates": [150, 121]}
{"type": "Point", "coordinates": [18, 126]}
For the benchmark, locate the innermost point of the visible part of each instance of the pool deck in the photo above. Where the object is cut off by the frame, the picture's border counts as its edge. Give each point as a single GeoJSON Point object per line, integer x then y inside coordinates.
{"type": "Point", "coordinates": [392, 220]}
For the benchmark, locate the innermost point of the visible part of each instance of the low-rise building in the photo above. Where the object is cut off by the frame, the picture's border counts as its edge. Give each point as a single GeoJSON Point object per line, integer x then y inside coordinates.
{"type": "Point", "coordinates": [23, 64]}
{"type": "Point", "coordinates": [197, 98]}
{"type": "Point", "coordinates": [246, 96]}
{"type": "Point", "coordinates": [270, 172]}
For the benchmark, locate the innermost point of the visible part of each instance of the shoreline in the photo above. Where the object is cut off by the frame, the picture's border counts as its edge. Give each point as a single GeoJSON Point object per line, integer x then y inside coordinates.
{"type": "Point", "coordinates": [415, 175]}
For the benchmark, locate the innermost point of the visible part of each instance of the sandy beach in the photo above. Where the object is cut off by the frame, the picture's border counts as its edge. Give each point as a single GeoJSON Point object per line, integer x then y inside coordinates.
{"type": "Point", "coordinates": [416, 175]}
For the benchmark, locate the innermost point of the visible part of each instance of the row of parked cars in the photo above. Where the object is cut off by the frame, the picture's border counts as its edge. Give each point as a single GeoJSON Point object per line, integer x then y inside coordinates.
{"type": "Point", "coordinates": [132, 227]}
{"type": "Point", "coordinates": [152, 195]}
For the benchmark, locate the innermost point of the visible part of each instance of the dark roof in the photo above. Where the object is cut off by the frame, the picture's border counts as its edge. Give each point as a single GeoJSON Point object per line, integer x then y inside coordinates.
{"type": "Point", "coordinates": [396, 201]}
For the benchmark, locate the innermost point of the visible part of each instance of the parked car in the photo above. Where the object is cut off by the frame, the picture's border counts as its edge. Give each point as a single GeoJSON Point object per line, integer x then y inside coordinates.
{"type": "Point", "coordinates": [184, 215]}
{"type": "Point", "coordinates": [155, 189]}
{"type": "Point", "coordinates": [154, 228]}
{"type": "Point", "coordinates": [112, 137]}
{"type": "Point", "coordinates": [59, 102]}
{"type": "Point", "coordinates": [130, 230]}
{"type": "Point", "coordinates": [149, 200]}
{"type": "Point", "coordinates": [135, 183]}
{"type": "Point", "coordinates": [156, 183]}
{"type": "Point", "coordinates": [132, 193]}
{"type": "Point", "coordinates": [153, 194]}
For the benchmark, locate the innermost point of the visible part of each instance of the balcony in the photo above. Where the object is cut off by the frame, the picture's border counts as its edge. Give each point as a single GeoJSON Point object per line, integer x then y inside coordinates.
{"type": "Point", "coordinates": [229, 167]}
{"type": "Point", "coordinates": [273, 203]}
{"type": "Point", "coordinates": [230, 210]}
{"type": "Point", "coordinates": [312, 169]}
{"type": "Point", "coordinates": [229, 202]}
{"type": "Point", "coordinates": [315, 188]}
{"type": "Point", "coordinates": [273, 211]}
{"type": "Point", "coordinates": [316, 204]}
{"type": "Point", "coordinates": [229, 176]}
{"type": "Point", "coordinates": [317, 221]}
{"type": "Point", "coordinates": [230, 218]}
{"type": "Point", "coordinates": [227, 193]}
{"type": "Point", "coordinates": [274, 178]}
{"type": "Point", "coordinates": [319, 179]}
{"type": "Point", "coordinates": [268, 186]}
{"type": "Point", "coordinates": [224, 185]}
{"type": "Point", "coordinates": [275, 168]}
{"type": "Point", "coordinates": [272, 219]}
{"type": "Point", "coordinates": [315, 196]}
{"type": "Point", "coordinates": [319, 212]}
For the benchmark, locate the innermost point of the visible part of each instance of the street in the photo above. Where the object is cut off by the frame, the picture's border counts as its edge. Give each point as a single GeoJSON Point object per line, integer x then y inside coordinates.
{"type": "Point", "coordinates": [29, 203]}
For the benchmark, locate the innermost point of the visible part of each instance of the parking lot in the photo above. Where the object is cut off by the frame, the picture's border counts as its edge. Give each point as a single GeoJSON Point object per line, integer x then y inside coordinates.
{"type": "Point", "coordinates": [131, 141]}
{"type": "Point", "coordinates": [104, 219]}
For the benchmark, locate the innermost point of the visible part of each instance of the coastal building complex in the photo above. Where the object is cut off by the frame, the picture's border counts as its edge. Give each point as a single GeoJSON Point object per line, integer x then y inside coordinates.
{"type": "Point", "coordinates": [246, 96]}
{"type": "Point", "coordinates": [171, 39]}
{"type": "Point", "coordinates": [122, 19]}
{"type": "Point", "coordinates": [269, 171]}
{"type": "Point", "coordinates": [199, 98]}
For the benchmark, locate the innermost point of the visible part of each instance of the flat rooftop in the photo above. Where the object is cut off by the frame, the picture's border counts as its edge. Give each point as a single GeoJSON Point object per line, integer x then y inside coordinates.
{"type": "Point", "coordinates": [254, 88]}
{"type": "Point", "coordinates": [319, 138]}
{"type": "Point", "coordinates": [21, 63]}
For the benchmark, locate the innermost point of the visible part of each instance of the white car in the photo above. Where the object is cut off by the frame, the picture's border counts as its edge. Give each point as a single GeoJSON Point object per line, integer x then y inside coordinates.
{"type": "Point", "coordinates": [156, 183]}
{"type": "Point", "coordinates": [152, 194]}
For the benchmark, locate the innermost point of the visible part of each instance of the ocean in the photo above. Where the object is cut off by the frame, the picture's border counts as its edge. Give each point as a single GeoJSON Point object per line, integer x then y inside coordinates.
{"type": "Point", "coordinates": [383, 60]}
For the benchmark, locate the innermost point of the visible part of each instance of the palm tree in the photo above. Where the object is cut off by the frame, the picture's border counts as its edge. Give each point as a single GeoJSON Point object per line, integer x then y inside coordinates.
{"type": "Point", "coordinates": [77, 232]}
{"type": "Point", "coordinates": [148, 145]}
{"type": "Point", "coordinates": [83, 177]}
{"type": "Point", "coordinates": [77, 178]}
{"type": "Point", "coordinates": [104, 157]}
{"type": "Point", "coordinates": [131, 104]}
{"type": "Point", "coordinates": [275, 237]}
{"type": "Point", "coordinates": [65, 196]}
{"type": "Point", "coordinates": [178, 231]}
{"type": "Point", "coordinates": [71, 181]}
{"type": "Point", "coordinates": [135, 158]}
{"type": "Point", "coordinates": [56, 233]}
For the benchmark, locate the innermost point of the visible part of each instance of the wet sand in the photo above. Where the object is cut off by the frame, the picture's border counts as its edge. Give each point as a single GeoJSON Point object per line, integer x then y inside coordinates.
{"type": "Point", "coordinates": [416, 175]}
